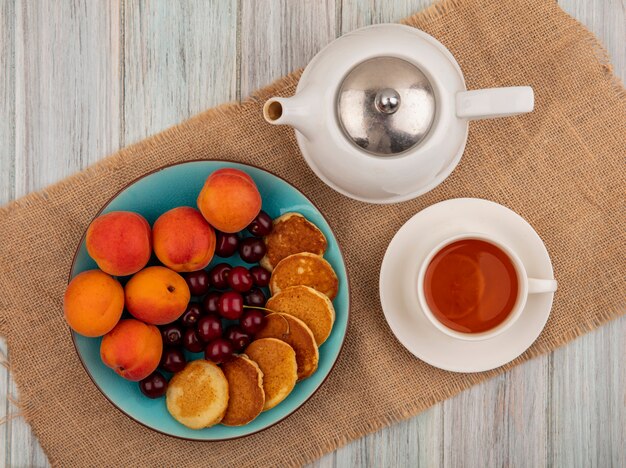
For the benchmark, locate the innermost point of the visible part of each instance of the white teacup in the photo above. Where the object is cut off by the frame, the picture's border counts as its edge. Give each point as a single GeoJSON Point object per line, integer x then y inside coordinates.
{"type": "Point", "coordinates": [526, 286]}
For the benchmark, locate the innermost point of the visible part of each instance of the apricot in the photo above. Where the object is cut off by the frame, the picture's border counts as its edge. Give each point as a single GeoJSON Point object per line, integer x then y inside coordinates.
{"type": "Point", "coordinates": [233, 171]}
{"type": "Point", "coordinates": [132, 349]}
{"type": "Point", "coordinates": [229, 200]}
{"type": "Point", "coordinates": [120, 242]}
{"type": "Point", "coordinates": [183, 240]}
{"type": "Point", "coordinates": [93, 303]}
{"type": "Point", "coordinates": [157, 295]}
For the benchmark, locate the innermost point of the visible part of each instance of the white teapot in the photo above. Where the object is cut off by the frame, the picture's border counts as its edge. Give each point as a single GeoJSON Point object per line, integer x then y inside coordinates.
{"type": "Point", "coordinates": [381, 114]}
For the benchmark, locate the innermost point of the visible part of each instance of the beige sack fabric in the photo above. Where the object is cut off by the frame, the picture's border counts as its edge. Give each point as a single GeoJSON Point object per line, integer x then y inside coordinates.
{"type": "Point", "coordinates": [561, 167]}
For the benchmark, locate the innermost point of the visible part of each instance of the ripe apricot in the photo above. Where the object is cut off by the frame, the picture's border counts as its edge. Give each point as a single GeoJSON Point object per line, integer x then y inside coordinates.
{"type": "Point", "coordinates": [183, 240]}
{"type": "Point", "coordinates": [229, 200]}
{"type": "Point", "coordinates": [157, 295]}
{"type": "Point", "coordinates": [93, 303]}
{"type": "Point", "coordinates": [120, 242]}
{"type": "Point", "coordinates": [132, 349]}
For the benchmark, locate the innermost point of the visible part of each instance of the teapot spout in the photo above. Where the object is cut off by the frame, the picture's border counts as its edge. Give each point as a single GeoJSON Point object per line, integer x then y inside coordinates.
{"type": "Point", "coordinates": [294, 111]}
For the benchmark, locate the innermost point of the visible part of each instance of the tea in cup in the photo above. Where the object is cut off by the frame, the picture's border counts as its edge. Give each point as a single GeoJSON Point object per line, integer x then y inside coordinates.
{"type": "Point", "coordinates": [474, 287]}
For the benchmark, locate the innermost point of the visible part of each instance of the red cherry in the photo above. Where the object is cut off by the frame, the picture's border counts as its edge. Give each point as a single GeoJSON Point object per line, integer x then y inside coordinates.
{"type": "Point", "coordinates": [191, 316]}
{"type": "Point", "coordinates": [240, 279]}
{"type": "Point", "coordinates": [231, 305]}
{"type": "Point", "coordinates": [153, 386]}
{"type": "Point", "coordinates": [226, 244]}
{"type": "Point", "coordinates": [261, 225]}
{"type": "Point", "coordinates": [219, 350]}
{"type": "Point", "coordinates": [192, 342]}
{"type": "Point", "coordinates": [210, 302]}
{"type": "Point", "coordinates": [209, 328]}
{"type": "Point", "coordinates": [252, 321]}
{"type": "Point", "coordinates": [219, 275]}
{"type": "Point", "coordinates": [251, 250]}
{"type": "Point", "coordinates": [239, 338]}
{"type": "Point", "coordinates": [198, 282]}
{"type": "Point", "coordinates": [172, 360]}
{"type": "Point", "coordinates": [254, 297]}
{"type": "Point", "coordinates": [172, 334]}
{"type": "Point", "coordinates": [260, 276]}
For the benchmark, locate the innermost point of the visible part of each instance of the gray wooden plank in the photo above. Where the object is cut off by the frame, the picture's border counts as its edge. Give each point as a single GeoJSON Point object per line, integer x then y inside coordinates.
{"type": "Point", "coordinates": [607, 20]}
{"type": "Point", "coordinates": [67, 91]}
{"type": "Point", "coordinates": [279, 36]}
{"type": "Point", "coordinates": [500, 422]}
{"type": "Point", "coordinates": [587, 404]}
{"type": "Point", "coordinates": [475, 426]}
{"type": "Point", "coordinates": [359, 13]}
{"type": "Point", "coordinates": [587, 409]}
{"type": "Point", "coordinates": [7, 101]}
{"type": "Point", "coordinates": [179, 59]}
{"type": "Point", "coordinates": [7, 175]}
{"type": "Point", "coordinates": [414, 442]}
{"type": "Point", "coordinates": [526, 397]}
{"type": "Point", "coordinates": [67, 88]}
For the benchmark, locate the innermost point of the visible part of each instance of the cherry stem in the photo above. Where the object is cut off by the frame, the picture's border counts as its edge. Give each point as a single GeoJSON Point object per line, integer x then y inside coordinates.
{"type": "Point", "coordinates": [260, 308]}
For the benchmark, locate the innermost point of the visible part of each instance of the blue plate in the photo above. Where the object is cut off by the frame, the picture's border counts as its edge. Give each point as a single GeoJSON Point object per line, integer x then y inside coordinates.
{"type": "Point", "coordinates": [179, 185]}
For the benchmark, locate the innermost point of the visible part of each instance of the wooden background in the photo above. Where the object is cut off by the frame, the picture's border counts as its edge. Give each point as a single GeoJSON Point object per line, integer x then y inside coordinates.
{"type": "Point", "coordinates": [82, 78]}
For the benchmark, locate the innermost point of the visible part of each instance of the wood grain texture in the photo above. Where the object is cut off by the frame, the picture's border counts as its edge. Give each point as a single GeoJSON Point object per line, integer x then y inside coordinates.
{"type": "Point", "coordinates": [279, 36]}
{"type": "Point", "coordinates": [501, 422]}
{"type": "Point", "coordinates": [587, 404]}
{"type": "Point", "coordinates": [607, 20]}
{"type": "Point", "coordinates": [67, 88]}
{"type": "Point", "coordinates": [66, 116]}
{"type": "Point", "coordinates": [179, 59]}
{"type": "Point", "coordinates": [81, 78]}
{"type": "Point", "coordinates": [7, 101]}
{"type": "Point", "coordinates": [359, 13]}
{"type": "Point", "coordinates": [7, 177]}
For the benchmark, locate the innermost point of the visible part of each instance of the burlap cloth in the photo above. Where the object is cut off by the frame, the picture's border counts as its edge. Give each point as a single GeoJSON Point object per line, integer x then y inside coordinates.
{"type": "Point", "coordinates": [561, 167]}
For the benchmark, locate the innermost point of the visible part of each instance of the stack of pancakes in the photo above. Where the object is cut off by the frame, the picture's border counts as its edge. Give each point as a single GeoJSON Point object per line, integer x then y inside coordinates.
{"type": "Point", "coordinates": [301, 316]}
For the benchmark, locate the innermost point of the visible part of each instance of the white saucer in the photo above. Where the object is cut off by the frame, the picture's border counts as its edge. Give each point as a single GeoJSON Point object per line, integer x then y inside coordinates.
{"type": "Point", "coordinates": [398, 275]}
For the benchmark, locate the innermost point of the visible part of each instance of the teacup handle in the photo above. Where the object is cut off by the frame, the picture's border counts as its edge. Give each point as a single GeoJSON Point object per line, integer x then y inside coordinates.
{"type": "Point", "coordinates": [490, 103]}
{"type": "Point", "coordinates": [541, 285]}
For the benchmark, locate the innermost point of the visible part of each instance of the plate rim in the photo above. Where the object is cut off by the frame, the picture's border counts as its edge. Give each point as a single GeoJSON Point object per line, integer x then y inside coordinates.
{"type": "Point", "coordinates": [341, 255]}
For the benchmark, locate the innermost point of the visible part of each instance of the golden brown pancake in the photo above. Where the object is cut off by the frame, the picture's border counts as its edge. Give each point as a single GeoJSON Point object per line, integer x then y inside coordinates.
{"type": "Point", "coordinates": [197, 396]}
{"type": "Point", "coordinates": [308, 305]}
{"type": "Point", "coordinates": [305, 269]}
{"type": "Point", "coordinates": [245, 389]}
{"type": "Point", "coordinates": [292, 233]}
{"type": "Point", "coordinates": [296, 334]}
{"type": "Point", "coordinates": [277, 361]}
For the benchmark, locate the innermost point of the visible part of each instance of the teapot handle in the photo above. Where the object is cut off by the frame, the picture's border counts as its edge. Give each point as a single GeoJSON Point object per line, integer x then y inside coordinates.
{"type": "Point", "coordinates": [490, 103]}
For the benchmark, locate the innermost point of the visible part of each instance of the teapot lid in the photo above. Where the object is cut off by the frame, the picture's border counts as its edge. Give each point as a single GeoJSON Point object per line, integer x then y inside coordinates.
{"type": "Point", "coordinates": [386, 105]}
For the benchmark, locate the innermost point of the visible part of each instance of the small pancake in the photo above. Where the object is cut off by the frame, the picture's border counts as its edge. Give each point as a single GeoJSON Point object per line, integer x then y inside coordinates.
{"type": "Point", "coordinates": [296, 334]}
{"type": "Point", "coordinates": [245, 389]}
{"type": "Point", "coordinates": [305, 269]}
{"type": "Point", "coordinates": [197, 396]}
{"type": "Point", "coordinates": [277, 361]}
{"type": "Point", "coordinates": [292, 233]}
{"type": "Point", "coordinates": [308, 305]}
